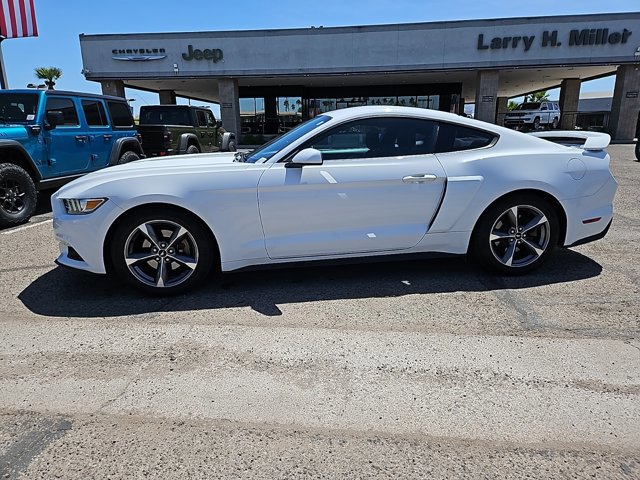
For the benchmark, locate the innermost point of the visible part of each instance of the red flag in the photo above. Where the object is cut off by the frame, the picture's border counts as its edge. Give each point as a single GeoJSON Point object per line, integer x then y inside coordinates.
{"type": "Point", "coordinates": [18, 19]}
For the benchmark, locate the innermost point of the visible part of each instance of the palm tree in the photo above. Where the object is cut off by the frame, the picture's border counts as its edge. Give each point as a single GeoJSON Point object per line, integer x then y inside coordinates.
{"type": "Point", "coordinates": [512, 105]}
{"type": "Point", "coordinates": [540, 96]}
{"type": "Point", "coordinates": [49, 75]}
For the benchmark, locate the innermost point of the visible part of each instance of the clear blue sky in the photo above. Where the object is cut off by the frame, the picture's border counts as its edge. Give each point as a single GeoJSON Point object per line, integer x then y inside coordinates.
{"type": "Point", "coordinates": [60, 22]}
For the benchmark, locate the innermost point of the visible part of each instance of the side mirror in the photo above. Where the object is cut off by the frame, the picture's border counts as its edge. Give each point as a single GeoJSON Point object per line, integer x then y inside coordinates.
{"type": "Point", "coordinates": [219, 123]}
{"type": "Point", "coordinates": [308, 156]}
{"type": "Point", "coordinates": [54, 118]}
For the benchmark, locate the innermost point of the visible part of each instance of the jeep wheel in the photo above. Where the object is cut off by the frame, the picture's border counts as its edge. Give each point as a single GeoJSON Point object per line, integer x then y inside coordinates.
{"type": "Point", "coordinates": [18, 196]}
{"type": "Point", "coordinates": [128, 157]}
{"type": "Point", "coordinates": [554, 125]}
{"type": "Point", "coordinates": [192, 149]}
{"type": "Point", "coordinates": [232, 146]}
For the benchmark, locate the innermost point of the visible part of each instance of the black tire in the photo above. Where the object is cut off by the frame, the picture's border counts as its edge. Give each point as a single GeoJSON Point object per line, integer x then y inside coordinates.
{"type": "Point", "coordinates": [190, 259]}
{"type": "Point", "coordinates": [231, 147]}
{"type": "Point", "coordinates": [555, 123]}
{"type": "Point", "coordinates": [638, 150]}
{"type": "Point", "coordinates": [127, 157]}
{"type": "Point", "coordinates": [506, 247]}
{"type": "Point", "coordinates": [536, 123]}
{"type": "Point", "coordinates": [18, 195]}
{"type": "Point", "coordinates": [192, 150]}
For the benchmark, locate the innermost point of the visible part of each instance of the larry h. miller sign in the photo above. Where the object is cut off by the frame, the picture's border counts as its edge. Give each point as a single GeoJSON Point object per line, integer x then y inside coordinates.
{"type": "Point", "coordinates": [551, 38]}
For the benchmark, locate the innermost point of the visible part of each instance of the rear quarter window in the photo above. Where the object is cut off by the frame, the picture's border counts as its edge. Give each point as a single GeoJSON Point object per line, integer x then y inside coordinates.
{"type": "Point", "coordinates": [121, 116]}
{"type": "Point", "coordinates": [456, 138]}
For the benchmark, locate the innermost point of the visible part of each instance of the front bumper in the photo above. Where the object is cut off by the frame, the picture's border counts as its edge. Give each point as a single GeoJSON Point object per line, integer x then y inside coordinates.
{"type": "Point", "coordinates": [81, 237]}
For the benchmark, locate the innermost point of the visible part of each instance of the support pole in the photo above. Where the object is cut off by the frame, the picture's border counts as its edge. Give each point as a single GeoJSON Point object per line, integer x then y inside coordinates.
{"type": "Point", "coordinates": [4, 85]}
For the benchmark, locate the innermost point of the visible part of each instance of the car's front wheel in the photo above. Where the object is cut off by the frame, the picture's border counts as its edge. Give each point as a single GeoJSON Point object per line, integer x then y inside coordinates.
{"type": "Point", "coordinates": [516, 234]}
{"type": "Point", "coordinates": [536, 123]}
{"type": "Point", "coordinates": [162, 251]}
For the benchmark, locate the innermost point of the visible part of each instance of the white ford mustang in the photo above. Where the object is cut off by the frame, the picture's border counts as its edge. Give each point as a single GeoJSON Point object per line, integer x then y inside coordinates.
{"type": "Point", "coordinates": [359, 182]}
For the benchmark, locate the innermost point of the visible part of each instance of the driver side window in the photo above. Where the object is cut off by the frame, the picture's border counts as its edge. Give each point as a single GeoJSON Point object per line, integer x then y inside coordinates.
{"type": "Point", "coordinates": [376, 138]}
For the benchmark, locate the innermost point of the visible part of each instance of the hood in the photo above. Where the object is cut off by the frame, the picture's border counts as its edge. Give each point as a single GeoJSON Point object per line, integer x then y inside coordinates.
{"type": "Point", "coordinates": [205, 163]}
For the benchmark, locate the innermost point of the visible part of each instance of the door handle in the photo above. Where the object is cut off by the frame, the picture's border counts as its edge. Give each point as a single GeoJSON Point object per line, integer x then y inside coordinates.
{"type": "Point", "coordinates": [81, 138]}
{"type": "Point", "coordinates": [107, 137]}
{"type": "Point", "coordinates": [419, 178]}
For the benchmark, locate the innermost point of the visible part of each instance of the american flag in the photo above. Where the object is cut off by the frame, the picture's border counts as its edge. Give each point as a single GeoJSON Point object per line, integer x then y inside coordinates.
{"type": "Point", "coordinates": [18, 19]}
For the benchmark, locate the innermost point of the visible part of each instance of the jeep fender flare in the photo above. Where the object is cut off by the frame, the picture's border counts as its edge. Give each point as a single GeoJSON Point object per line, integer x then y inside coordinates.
{"type": "Point", "coordinates": [19, 156]}
{"type": "Point", "coordinates": [226, 138]}
{"type": "Point", "coordinates": [122, 145]}
{"type": "Point", "coordinates": [185, 140]}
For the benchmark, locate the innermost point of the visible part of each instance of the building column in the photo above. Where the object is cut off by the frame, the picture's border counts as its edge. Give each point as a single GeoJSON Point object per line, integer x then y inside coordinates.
{"type": "Point", "coordinates": [486, 95]}
{"type": "Point", "coordinates": [230, 105]}
{"type": "Point", "coordinates": [271, 120]}
{"type": "Point", "coordinates": [569, 96]}
{"type": "Point", "coordinates": [113, 87]}
{"type": "Point", "coordinates": [502, 102]}
{"type": "Point", "coordinates": [461, 107]}
{"type": "Point", "coordinates": [625, 104]}
{"type": "Point", "coordinates": [167, 97]}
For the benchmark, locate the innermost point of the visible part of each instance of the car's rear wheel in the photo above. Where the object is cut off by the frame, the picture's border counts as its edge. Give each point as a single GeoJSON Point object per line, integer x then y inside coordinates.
{"type": "Point", "coordinates": [18, 195]}
{"type": "Point", "coordinates": [192, 150]}
{"type": "Point", "coordinates": [161, 251]}
{"type": "Point", "coordinates": [232, 146]}
{"type": "Point", "coordinates": [127, 157]}
{"type": "Point", "coordinates": [516, 234]}
{"type": "Point", "coordinates": [554, 124]}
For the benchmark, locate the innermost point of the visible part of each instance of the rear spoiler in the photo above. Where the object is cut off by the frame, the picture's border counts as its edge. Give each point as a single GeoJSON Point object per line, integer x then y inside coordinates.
{"type": "Point", "coordinates": [579, 138]}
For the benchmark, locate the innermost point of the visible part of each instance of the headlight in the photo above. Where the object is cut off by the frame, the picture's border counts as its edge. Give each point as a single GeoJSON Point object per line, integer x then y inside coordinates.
{"type": "Point", "coordinates": [82, 206]}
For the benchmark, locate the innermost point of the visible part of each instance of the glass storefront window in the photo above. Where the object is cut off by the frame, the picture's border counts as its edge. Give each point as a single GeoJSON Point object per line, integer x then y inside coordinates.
{"type": "Point", "coordinates": [429, 101]}
{"type": "Point", "coordinates": [289, 113]}
{"type": "Point", "coordinates": [252, 116]}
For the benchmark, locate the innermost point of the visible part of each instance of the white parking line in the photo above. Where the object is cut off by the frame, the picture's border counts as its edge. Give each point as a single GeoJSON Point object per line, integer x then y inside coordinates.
{"type": "Point", "coordinates": [25, 227]}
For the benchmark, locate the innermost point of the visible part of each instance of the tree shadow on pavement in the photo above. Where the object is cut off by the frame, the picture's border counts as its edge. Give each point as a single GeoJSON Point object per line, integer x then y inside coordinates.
{"type": "Point", "coordinates": [67, 293]}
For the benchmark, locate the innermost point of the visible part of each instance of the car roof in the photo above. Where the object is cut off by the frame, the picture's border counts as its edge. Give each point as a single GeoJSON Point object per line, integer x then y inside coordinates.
{"type": "Point", "coordinates": [374, 110]}
{"type": "Point", "coordinates": [65, 93]}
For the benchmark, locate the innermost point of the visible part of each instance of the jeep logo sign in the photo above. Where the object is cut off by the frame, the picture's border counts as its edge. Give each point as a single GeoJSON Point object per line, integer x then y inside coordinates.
{"type": "Point", "coordinates": [214, 54]}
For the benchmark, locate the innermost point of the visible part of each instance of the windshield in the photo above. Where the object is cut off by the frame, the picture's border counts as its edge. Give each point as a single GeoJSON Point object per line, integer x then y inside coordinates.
{"type": "Point", "coordinates": [164, 116]}
{"type": "Point", "coordinates": [269, 149]}
{"type": "Point", "coordinates": [18, 107]}
{"type": "Point", "coordinates": [529, 106]}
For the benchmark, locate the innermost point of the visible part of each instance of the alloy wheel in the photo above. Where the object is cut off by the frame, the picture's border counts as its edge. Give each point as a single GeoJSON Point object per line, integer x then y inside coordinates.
{"type": "Point", "coordinates": [519, 236]}
{"type": "Point", "coordinates": [161, 253]}
{"type": "Point", "coordinates": [11, 196]}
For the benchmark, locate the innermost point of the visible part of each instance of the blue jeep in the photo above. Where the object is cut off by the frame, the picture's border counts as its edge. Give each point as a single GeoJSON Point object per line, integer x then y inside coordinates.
{"type": "Point", "coordinates": [48, 138]}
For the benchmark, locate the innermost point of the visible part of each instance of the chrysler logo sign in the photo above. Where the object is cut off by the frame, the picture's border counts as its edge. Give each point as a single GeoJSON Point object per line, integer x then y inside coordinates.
{"type": "Point", "coordinates": [138, 54]}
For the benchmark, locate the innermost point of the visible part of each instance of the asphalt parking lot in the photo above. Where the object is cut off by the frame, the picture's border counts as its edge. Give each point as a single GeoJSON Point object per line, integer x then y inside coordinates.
{"type": "Point", "coordinates": [414, 369]}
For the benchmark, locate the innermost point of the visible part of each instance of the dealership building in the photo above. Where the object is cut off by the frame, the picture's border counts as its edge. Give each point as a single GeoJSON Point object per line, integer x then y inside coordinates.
{"type": "Point", "coordinates": [266, 81]}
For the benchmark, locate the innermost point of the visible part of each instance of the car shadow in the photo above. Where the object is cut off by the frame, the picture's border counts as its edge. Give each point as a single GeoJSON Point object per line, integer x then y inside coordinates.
{"type": "Point", "coordinates": [67, 293]}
